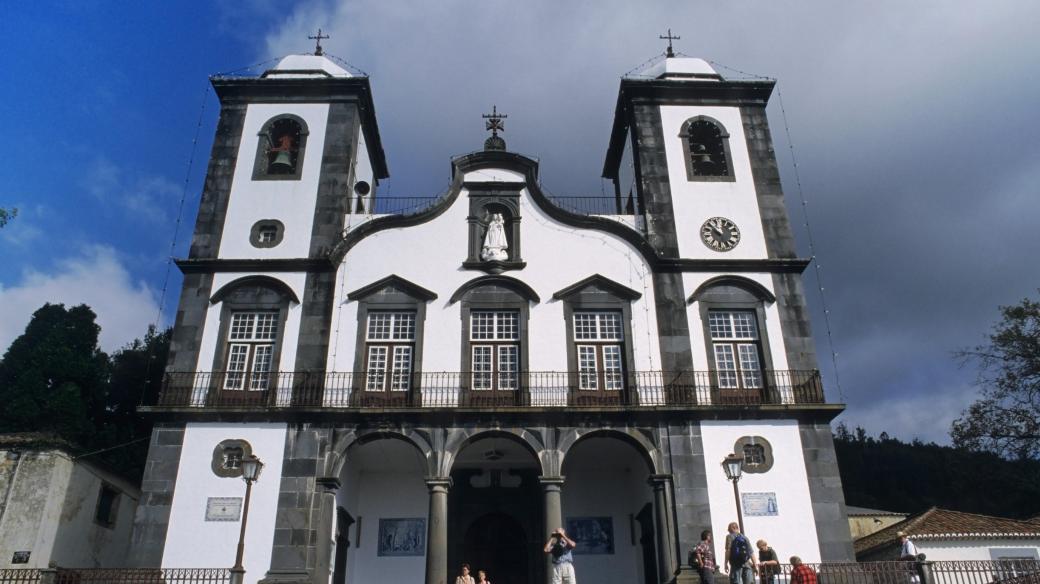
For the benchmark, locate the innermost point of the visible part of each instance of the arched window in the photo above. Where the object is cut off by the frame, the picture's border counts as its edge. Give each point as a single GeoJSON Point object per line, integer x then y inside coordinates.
{"type": "Point", "coordinates": [280, 149]}
{"type": "Point", "coordinates": [706, 148]}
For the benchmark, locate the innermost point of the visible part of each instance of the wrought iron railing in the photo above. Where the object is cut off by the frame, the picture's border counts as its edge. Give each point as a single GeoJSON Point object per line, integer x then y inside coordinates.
{"type": "Point", "coordinates": [116, 576]}
{"type": "Point", "coordinates": [382, 205]}
{"type": "Point", "coordinates": [19, 576]}
{"type": "Point", "coordinates": [536, 389]}
{"type": "Point", "coordinates": [1012, 571]}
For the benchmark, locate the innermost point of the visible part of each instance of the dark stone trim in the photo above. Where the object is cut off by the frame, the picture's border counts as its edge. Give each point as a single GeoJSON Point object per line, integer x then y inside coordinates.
{"type": "Point", "coordinates": [337, 158]}
{"type": "Point", "coordinates": [597, 280]}
{"type": "Point", "coordinates": [254, 233]}
{"type": "Point", "coordinates": [245, 90]}
{"type": "Point", "coordinates": [776, 225]}
{"type": "Point", "coordinates": [767, 453]}
{"type": "Point", "coordinates": [493, 267]}
{"type": "Point", "coordinates": [193, 266]}
{"type": "Point", "coordinates": [828, 500]}
{"type": "Point", "coordinates": [260, 161]}
{"type": "Point", "coordinates": [152, 518]}
{"type": "Point", "coordinates": [708, 300]}
{"type": "Point", "coordinates": [190, 322]}
{"type": "Point", "coordinates": [209, 224]}
{"type": "Point", "coordinates": [794, 322]}
{"type": "Point", "coordinates": [396, 281]}
{"type": "Point", "coordinates": [521, 288]}
{"type": "Point", "coordinates": [262, 281]}
{"type": "Point", "coordinates": [476, 299]}
{"type": "Point", "coordinates": [751, 286]}
{"type": "Point", "coordinates": [775, 266]}
{"type": "Point", "coordinates": [676, 92]}
{"type": "Point", "coordinates": [412, 299]}
{"type": "Point", "coordinates": [483, 187]}
{"type": "Point", "coordinates": [730, 175]}
{"type": "Point", "coordinates": [673, 328]}
{"type": "Point", "coordinates": [275, 299]}
{"type": "Point", "coordinates": [655, 191]}
{"type": "Point", "coordinates": [217, 464]}
{"type": "Point", "coordinates": [312, 347]}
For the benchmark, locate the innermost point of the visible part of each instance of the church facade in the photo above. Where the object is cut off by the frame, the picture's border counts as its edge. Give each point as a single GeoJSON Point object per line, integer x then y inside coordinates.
{"type": "Point", "coordinates": [436, 381]}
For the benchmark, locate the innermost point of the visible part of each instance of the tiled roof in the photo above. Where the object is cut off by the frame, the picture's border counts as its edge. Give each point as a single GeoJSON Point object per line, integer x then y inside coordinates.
{"type": "Point", "coordinates": [853, 511]}
{"type": "Point", "coordinates": [938, 523]}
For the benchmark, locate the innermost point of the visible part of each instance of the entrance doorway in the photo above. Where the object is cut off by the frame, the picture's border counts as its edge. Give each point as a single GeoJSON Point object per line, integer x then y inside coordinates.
{"type": "Point", "coordinates": [497, 543]}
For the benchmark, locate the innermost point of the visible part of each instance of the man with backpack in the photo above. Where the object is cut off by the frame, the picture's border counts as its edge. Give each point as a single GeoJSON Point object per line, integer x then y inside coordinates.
{"type": "Point", "coordinates": [740, 561]}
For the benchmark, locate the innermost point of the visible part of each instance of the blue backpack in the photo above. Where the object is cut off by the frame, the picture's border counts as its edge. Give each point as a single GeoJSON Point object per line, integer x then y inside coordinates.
{"type": "Point", "coordinates": [739, 551]}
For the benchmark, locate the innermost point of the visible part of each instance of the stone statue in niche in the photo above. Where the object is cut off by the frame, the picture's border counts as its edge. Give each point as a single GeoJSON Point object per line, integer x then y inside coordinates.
{"type": "Point", "coordinates": [495, 247]}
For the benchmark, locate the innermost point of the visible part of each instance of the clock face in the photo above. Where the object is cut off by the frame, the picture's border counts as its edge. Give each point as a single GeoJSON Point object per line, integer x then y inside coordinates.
{"type": "Point", "coordinates": [720, 234]}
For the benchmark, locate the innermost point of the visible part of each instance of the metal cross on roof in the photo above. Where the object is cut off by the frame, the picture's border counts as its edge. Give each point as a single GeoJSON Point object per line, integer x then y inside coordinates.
{"type": "Point", "coordinates": [494, 121]}
{"type": "Point", "coordinates": [670, 53]}
{"type": "Point", "coordinates": [317, 42]}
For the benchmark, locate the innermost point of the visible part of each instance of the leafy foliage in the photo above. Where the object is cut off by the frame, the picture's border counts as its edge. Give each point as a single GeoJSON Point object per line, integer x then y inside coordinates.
{"type": "Point", "coordinates": [886, 473]}
{"type": "Point", "coordinates": [1004, 420]}
{"type": "Point", "coordinates": [54, 378]}
{"type": "Point", "coordinates": [6, 215]}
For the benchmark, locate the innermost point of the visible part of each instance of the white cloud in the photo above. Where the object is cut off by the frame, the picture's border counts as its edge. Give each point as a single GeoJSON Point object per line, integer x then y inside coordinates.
{"type": "Point", "coordinates": [138, 195]}
{"type": "Point", "coordinates": [96, 278]}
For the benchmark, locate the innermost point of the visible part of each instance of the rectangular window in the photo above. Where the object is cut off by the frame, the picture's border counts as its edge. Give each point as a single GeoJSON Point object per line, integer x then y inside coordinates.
{"type": "Point", "coordinates": [495, 349]}
{"type": "Point", "coordinates": [600, 361]}
{"type": "Point", "coordinates": [735, 343]}
{"type": "Point", "coordinates": [251, 338]}
{"type": "Point", "coordinates": [390, 342]}
{"type": "Point", "coordinates": [108, 500]}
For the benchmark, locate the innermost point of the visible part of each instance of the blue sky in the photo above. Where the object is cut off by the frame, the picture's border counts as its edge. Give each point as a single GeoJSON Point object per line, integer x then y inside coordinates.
{"type": "Point", "coordinates": [914, 126]}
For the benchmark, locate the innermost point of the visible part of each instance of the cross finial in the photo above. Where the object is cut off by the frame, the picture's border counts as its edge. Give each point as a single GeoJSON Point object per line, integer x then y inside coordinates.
{"type": "Point", "coordinates": [317, 43]}
{"type": "Point", "coordinates": [669, 53]}
{"type": "Point", "coordinates": [494, 121]}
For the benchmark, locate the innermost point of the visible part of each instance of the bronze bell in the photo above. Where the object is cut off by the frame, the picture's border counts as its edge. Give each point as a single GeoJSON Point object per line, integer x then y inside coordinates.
{"type": "Point", "coordinates": [700, 154]}
{"type": "Point", "coordinates": [282, 162]}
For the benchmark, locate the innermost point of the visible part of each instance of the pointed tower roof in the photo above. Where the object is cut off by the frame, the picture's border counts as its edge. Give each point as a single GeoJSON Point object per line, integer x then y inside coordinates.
{"type": "Point", "coordinates": [306, 66]}
{"type": "Point", "coordinates": [681, 68]}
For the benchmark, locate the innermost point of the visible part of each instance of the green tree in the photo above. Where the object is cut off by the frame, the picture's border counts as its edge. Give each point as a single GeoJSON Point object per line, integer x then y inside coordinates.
{"type": "Point", "coordinates": [53, 377]}
{"type": "Point", "coordinates": [6, 215]}
{"type": "Point", "coordinates": [1004, 420]}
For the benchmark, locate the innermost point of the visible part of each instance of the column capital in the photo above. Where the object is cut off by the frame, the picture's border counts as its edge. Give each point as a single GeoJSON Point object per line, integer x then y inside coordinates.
{"type": "Point", "coordinates": [548, 481]}
{"type": "Point", "coordinates": [659, 480]}
{"type": "Point", "coordinates": [438, 483]}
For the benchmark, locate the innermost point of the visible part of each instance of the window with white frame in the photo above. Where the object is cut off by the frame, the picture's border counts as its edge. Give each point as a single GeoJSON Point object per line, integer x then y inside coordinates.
{"type": "Point", "coordinates": [495, 349]}
{"type": "Point", "coordinates": [390, 346]}
{"type": "Point", "coordinates": [598, 339]}
{"type": "Point", "coordinates": [737, 348]}
{"type": "Point", "coordinates": [251, 339]}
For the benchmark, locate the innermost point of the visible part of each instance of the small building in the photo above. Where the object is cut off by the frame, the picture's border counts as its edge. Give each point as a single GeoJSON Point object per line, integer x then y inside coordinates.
{"type": "Point", "coordinates": [60, 511]}
{"type": "Point", "coordinates": [943, 535]}
{"type": "Point", "coordinates": [864, 521]}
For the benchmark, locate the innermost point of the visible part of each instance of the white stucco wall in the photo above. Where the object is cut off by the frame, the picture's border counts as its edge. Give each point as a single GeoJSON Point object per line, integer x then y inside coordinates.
{"type": "Point", "coordinates": [793, 530]}
{"type": "Point", "coordinates": [695, 201]}
{"type": "Point", "coordinates": [290, 201]}
{"type": "Point", "coordinates": [557, 256]}
{"type": "Point", "coordinates": [372, 496]}
{"type": "Point", "coordinates": [194, 542]}
{"type": "Point", "coordinates": [80, 541]}
{"type": "Point", "coordinates": [979, 549]}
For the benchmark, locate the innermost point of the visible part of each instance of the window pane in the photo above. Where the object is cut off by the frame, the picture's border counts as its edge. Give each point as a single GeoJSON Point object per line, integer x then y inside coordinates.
{"type": "Point", "coordinates": [238, 355]}
{"type": "Point", "coordinates": [587, 378]}
{"type": "Point", "coordinates": [481, 325]}
{"type": "Point", "coordinates": [610, 326]}
{"type": "Point", "coordinates": [482, 367]}
{"type": "Point", "coordinates": [379, 325]}
{"type": "Point", "coordinates": [508, 328]}
{"type": "Point", "coordinates": [376, 368]}
{"type": "Point", "coordinates": [719, 325]}
{"type": "Point", "coordinates": [404, 326]}
{"type": "Point", "coordinates": [744, 326]}
{"type": "Point", "coordinates": [726, 366]}
{"type": "Point", "coordinates": [241, 326]}
{"type": "Point", "coordinates": [508, 366]}
{"type": "Point", "coordinates": [266, 326]}
{"type": "Point", "coordinates": [584, 325]}
{"type": "Point", "coordinates": [261, 366]}
{"type": "Point", "coordinates": [750, 369]}
{"type": "Point", "coordinates": [612, 378]}
{"type": "Point", "coordinates": [402, 369]}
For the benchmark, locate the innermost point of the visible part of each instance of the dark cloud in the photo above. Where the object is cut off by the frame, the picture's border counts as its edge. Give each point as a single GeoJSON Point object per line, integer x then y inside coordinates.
{"type": "Point", "coordinates": [914, 126]}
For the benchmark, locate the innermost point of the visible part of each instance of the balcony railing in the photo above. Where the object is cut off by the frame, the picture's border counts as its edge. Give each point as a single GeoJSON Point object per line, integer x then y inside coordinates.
{"type": "Point", "coordinates": [382, 205]}
{"type": "Point", "coordinates": [1012, 571]}
{"type": "Point", "coordinates": [532, 389]}
{"type": "Point", "coordinates": [115, 576]}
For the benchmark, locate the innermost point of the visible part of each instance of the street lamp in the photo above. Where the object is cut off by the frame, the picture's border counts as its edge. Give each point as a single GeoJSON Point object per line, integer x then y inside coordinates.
{"type": "Point", "coordinates": [251, 468]}
{"type": "Point", "coordinates": [734, 466]}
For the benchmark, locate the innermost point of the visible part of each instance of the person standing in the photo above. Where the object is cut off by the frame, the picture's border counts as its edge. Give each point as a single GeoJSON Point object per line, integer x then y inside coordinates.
{"type": "Point", "coordinates": [464, 577]}
{"type": "Point", "coordinates": [769, 564]}
{"type": "Point", "coordinates": [482, 577]}
{"type": "Point", "coordinates": [704, 558]}
{"type": "Point", "coordinates": [740, 561]}
{"type": "Point", "coordinates": [800, 573]}
{"type": "Point", "coordinates": [908, 553]}
{"type": "Point", "coordinates": [559, 549]}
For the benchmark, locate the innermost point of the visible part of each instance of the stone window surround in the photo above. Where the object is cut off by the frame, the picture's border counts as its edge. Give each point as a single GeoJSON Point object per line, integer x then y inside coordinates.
{"type": "Point", "coordinates": [113, 512]}
{"type": "Point", "coordinates": [741, 296]}
{"type": "Point", "coordinates": [506, 196]}
{"type": "Point", "coordinates": [730, 175]}
{"type": "Point", "coordinates": [480, 298]}
{"type": "Point", "coordinates": [260, 162]}
{"type": "Point", "coordinates": [229, 304]}
{"type": "Point", "coordinates": [254, 233]}
{"type": "Point", "coordinates": [398, 300]}
{"type": "Point", "coordinates": [217, 463]}
{"type": "Point", "coordinates": [767, 453]}
{"type": "Point", "coordinates": [591, 302]}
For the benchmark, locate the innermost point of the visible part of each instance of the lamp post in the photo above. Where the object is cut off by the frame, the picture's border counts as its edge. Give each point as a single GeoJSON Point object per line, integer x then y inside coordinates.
{"type": "Point", "coordinates": [251, 468]}
{"type": "Point", "coordinates": [734, 466]}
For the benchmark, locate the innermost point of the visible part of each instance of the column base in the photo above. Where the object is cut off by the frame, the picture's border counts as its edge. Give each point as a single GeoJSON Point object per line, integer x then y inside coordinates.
{"type": "Point", "coordinates": [286, 577]}
{"type": "Point", "coordinates": [687, 575]}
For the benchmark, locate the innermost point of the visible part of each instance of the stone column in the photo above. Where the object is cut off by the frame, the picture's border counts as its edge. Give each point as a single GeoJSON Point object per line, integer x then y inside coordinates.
{"type": "Point", "coordinates": [553, 507]}
{"type": "Point", "coordinates": [665, 526]}
{"type": "Point", "coordinates": [326, 528]}
{"type": "Point", "coordinates": [437, 531]}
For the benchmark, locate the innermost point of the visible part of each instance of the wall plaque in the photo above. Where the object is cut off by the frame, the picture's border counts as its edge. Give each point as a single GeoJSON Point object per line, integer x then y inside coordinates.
{"type": "Point", "coordinates": [402, 537]}
{"type": "Point", "coordinates": [759, 504]}
{"type": "Point", "coordinates": [20, 558]}
{"type": "Point", "coordinates": [223, 508]}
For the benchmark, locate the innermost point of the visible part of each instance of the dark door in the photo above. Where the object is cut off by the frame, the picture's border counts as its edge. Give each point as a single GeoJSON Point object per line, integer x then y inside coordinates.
{"type": "Point", "coordinates": [497, 544]}
{"type": "Point", "coordinates": [339, 561]}
{"type": "Point", "coordinates": [646, 542]}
